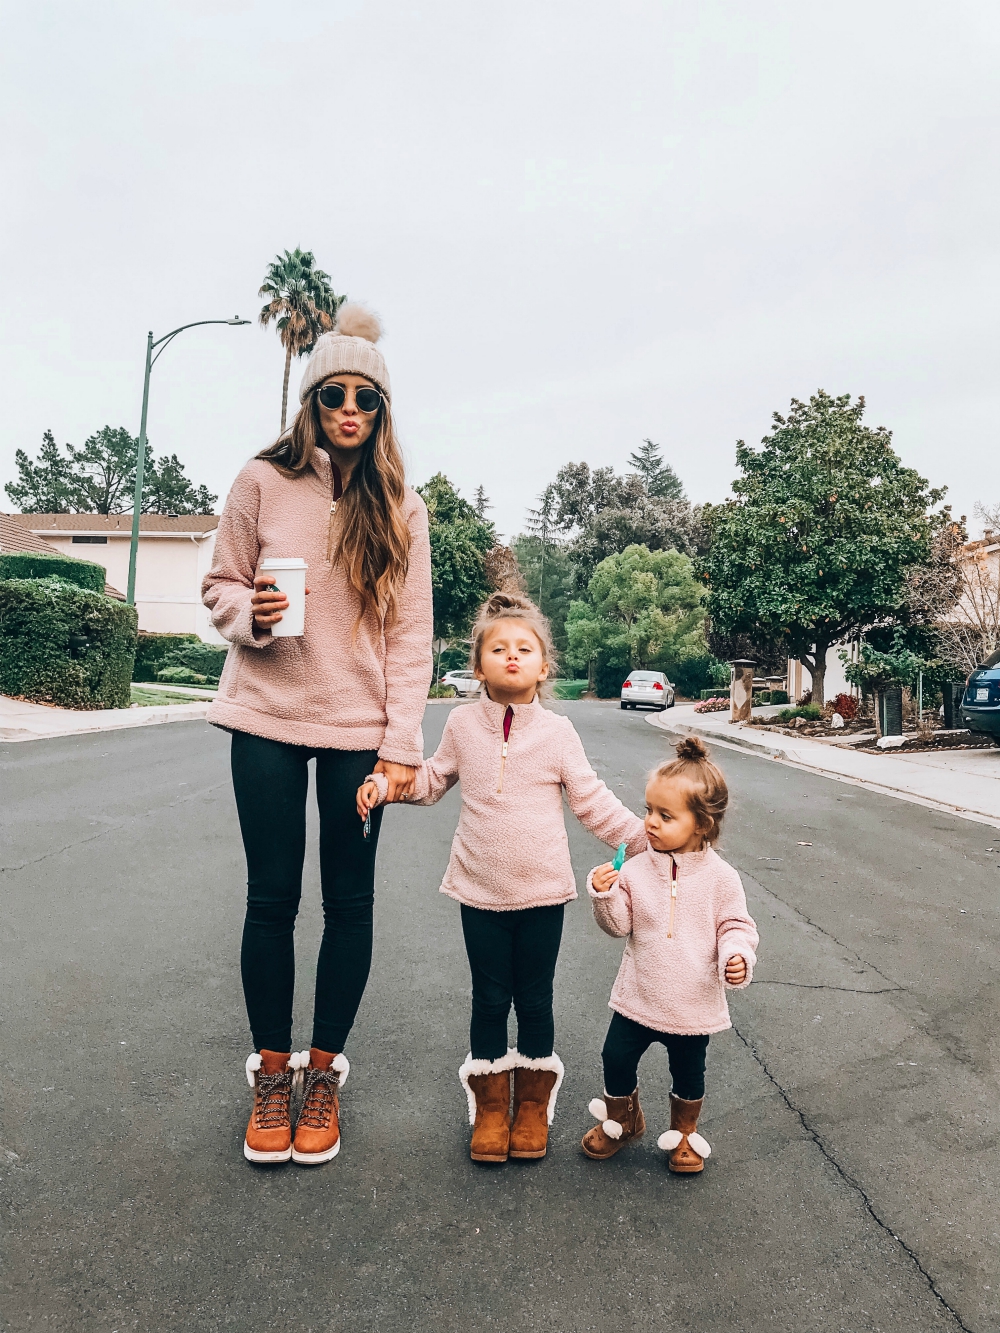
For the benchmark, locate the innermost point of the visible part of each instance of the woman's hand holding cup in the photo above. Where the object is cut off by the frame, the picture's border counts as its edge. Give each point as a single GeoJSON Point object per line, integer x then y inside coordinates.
{"type": "Point", "coordinates": [267, 601]}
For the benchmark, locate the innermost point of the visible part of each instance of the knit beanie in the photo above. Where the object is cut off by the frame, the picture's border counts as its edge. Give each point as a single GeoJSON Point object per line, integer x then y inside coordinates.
{"type": "Point", "coordinates": [348, 350]}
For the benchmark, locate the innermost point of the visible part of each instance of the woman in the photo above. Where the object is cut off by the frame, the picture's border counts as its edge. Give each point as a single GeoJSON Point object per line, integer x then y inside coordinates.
{"type": "Point", "coordinates": [349, 693]}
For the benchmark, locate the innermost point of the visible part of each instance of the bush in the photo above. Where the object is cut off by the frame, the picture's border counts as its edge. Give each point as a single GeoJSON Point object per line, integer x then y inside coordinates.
{"type": "Point", "coordinates": [779, 696]}
{"type": "Point", "coordinates": [568, 689]}
{"type": "Point", "coordinates": [206, 659]}
{"type": "Point", "coordinates": [811, 713]}
{"type": "Point", "coordinates": [152, 649]}
{"type": "Point", "coordinates": [608, 677]}
{"type": "Point", "coordinates": [847, 706]}
{"type": "Point", "coordinates": [181, 675]}
{"type": "Point", "coordinates": [441, 692]}
{"type": "Point", "coordinates": [713, 705]}
{"type": "Point", "coordinates": [65, 645]}
{"type": "Point", "coordinates": [38, 565]}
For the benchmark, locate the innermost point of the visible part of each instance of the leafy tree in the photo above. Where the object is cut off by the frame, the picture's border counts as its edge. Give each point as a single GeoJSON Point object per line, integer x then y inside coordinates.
{"type": "Point", "coordinates": [816, 546]}
{"type": "Point", "coordinates": [659, 477]}
{"type": "Point", "coordinates": [643, 607]}
{"type": "Point", "coordinates": [47, 486]}
{"type": "Point", "coordinates": [99, 478]}
{"type": "Point", "coordinates": [481, 502]}
{"type": "Point", "coordinates": [460, 543]}
{"type": "Point", "coordinates": [548, 574]}
{"type": "Point", "coordinates": [301, 304]}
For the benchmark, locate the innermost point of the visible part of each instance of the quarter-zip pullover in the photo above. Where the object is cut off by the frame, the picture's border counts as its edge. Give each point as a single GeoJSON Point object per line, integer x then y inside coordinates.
{"type": "Point", "coordinates": [332, 688]}
{"type": "Point", "coordinates": [510, 850]}
{"type": "Point", "coordinates": [684, 915]}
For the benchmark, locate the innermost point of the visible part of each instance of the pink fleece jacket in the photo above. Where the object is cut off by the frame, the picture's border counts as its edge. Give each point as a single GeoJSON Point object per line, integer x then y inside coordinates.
{"type": "Point", "coordinates": [510, 849]}
{"type": "Point", "coordinates": [327, 689]}
{"type": "Point", "coordinates": [672, 977]}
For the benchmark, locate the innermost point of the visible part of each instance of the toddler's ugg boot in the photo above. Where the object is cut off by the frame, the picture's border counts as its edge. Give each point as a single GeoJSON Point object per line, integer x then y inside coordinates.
{"type": "Point", "coordinates": [269, 1133]}
{"type": "Point", "coordinates": [621, 1120]}
{"type": "Point", "coordinates": [536, 1086]}
{"type": "Point", "coordinates": [685, 1145]}
{"type": "Point", "coordinates": [487, 1086]}
{"type": "Point", "coordinates": [317, 1133]}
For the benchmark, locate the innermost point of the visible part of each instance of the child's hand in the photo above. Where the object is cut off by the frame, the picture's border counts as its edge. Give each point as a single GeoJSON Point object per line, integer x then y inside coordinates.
{"type": "Point", "coordinates": [368, 798]}
{"type": "Point", "coordinates": [736, 970]}
{"type": "Point", "coordinates": [604, 877]}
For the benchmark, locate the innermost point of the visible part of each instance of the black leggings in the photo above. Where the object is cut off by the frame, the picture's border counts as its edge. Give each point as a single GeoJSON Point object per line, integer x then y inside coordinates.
{"type": "Point", "coordinates": [271, 781]}
{"type": "Point", "coordinates": [628, 1041]}
{"type": "Point", "coordinates": [513, 958]}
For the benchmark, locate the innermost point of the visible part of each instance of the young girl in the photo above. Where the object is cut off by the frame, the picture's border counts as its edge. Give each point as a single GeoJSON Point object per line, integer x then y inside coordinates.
{"type": "Point", "coordinates": [510, 867]}
{"type": "Point", "coordinates": [684, 913]}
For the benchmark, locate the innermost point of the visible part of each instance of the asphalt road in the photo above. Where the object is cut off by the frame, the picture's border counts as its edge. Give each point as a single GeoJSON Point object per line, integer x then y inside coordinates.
{"type": "Point", "coordinates": [853, 1111]}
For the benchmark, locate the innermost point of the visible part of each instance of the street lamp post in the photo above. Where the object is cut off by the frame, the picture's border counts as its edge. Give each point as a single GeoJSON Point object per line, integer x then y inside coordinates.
{"type": "Point", "coordinates": [151, 361]}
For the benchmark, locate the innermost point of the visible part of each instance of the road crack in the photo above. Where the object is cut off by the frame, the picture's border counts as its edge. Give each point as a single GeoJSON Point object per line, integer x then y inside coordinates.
{"type": "Point", "coordinates": [850, 990]}
{"type": "Point", "coordinates": [851, 1182]}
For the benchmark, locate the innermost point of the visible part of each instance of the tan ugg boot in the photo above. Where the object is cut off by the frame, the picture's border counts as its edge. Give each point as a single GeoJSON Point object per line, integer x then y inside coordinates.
{"type": "Point", "coordinates": [269, 1133]}
{"type": "Point", "coordinates": [487, 1086]}
{"type": "Point", "coordinates": [685, 1145]}
{"type": "Point", "coordinates": [536, 1086]}
{"type": "Point", "coordinates": [317, 1133]}
{"type": "Point", "coordinates": [622, 1122]}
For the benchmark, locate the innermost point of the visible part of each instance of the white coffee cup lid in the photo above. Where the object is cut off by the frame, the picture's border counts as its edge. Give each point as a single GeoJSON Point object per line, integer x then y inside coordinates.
{"type": "Point", "coordinates": [290, 562]}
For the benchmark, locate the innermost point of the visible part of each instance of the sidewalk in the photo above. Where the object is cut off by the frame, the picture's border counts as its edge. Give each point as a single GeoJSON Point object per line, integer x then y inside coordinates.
{"type": "Point", "coordinates": [963, 782]}
{"type": "Point", "coordinates": [31, 722]}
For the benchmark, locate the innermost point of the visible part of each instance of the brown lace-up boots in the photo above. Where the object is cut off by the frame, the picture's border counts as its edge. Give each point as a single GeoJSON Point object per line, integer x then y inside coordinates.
{"type": "Point", "coordinates": [317, 1133]}
{"type": "Point", "coordinates": [622, 1122]}
{"type": "Point", "coordinates": [536, 1086]}
{"type": "Point", "coordinates": [269, 1133]}
{"type": "Point", "coordinates": [685, 1145]}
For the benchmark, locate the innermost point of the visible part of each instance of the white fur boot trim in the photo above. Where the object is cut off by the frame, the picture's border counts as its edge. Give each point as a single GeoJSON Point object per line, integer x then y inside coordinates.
{"type": "Point", "coordinates": [553, 1065]}
{"type": "Point", "coordinates": [254, 1062]}
{"type": "Point", "coordinates": [613, 1129]}
{"type": "Point", "coordinates": [343, 1067]}
{"type": "Point", "coordinates": [597, 1108]}
{"type": "Point", "coordinates": [671, 1138]}
{"type": "Point", "coordinates": [472, 1067]}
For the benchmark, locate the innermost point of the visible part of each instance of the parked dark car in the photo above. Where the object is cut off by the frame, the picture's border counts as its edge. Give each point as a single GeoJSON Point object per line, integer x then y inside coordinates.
{"type": "Point", "coordinates": [981, 701]}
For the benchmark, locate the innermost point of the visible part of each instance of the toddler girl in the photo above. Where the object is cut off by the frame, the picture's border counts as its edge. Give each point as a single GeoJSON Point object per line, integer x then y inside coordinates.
{"type": "Point", "coordinates": [510, 867]}
{"type": "Point", "coordinates": [684, 913]}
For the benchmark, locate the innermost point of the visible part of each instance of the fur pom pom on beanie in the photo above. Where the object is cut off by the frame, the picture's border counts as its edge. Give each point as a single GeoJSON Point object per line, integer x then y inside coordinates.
{"type": "Point", "coordinates": [349, 350]}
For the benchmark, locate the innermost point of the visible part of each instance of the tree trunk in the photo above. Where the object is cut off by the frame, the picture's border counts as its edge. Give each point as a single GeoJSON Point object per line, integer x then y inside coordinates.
{"type": "Point", "coordinates": [284, 387]}
{"type": "Point", "coordinates": [817, 669]}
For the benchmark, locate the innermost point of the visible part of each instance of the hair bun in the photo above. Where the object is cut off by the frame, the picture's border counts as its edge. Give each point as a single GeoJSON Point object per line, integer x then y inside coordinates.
{"type": "Point", "coordinates": [503, 603]}
{"type": "Point", "coordinates": [692, 748]}
{"type": "Point", "coordinates": [357, 321]}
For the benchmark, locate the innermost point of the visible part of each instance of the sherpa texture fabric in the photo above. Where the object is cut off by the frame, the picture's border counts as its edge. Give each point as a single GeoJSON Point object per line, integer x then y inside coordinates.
{"type": "Point", "coordinates": [510, 850]}
{"type": "Point", "coordinates": [349, 350]}
{"type": "Point", "coordinates": [677, 984]}
{"type": "Point", "coordinates": [328, 689]}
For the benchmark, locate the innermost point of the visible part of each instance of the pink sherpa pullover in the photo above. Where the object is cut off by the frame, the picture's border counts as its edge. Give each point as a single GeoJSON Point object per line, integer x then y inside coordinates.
{"type": "Point", "coordinates": [681, 933]}
{"type": "Point", "coordinates": [329, 689]}
{"type": "Point", "coordinates": [510, 849]}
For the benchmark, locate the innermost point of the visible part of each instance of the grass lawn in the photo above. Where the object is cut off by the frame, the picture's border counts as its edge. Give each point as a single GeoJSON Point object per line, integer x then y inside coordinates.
{"type": "Point", "coordinates": [141, 696]}
{"type": "Point", "coordinates": [568, 689]}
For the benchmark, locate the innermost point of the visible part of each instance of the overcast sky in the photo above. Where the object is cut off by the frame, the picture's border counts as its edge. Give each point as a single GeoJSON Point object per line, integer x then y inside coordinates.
{"type": "Point", "coordinates": [581, 223]}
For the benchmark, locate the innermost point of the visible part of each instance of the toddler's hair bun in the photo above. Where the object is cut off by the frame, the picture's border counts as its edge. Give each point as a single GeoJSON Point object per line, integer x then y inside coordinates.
{"type": "Point", "coordinates": [692, 748]}
{"type": "Point", "coordinates": [501, 604]}
{"type": "Point", "coordinates": [357, 321]}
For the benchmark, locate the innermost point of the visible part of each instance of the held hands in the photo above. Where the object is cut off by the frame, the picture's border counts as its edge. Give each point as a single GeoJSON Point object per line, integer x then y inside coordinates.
{"type": "Point", "coordinates": [736, 970]}
{"type": "Point", "coordinates": [267, 602]}
{"type": "Point", "coordinates": [367, 798]}
{"type": "Point", "coordinates": [604, 877]}
{"type": "Point", "coordinates": [400, 780]}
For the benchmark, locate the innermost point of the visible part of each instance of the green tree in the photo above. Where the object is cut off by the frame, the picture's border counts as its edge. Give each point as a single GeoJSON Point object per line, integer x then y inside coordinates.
{"type": "Point", "coordinates": [167, 490]}
{"type": "Point", "coordinates": [105, 467]}
{"type": "Point", "coordinates": [659, 477]}
{"type": "Point", "coordinates": [302, 305]}
{"type": "Point", "coordinates": [481, 502]}
{"type": "Point", "coordinates": [460, 542]}
{"type": "Point", "coordinates": [642, 608]}
{"type": "Point", "coordinates": [825, 524]}
{"type": "Point", "coordinates": [48, 485]}
{"type": "Point", "coordinates": [548, 574]}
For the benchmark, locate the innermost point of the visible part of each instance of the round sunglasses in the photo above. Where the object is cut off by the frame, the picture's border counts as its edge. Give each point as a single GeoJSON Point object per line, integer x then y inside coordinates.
{"type": "Point", "coordinates": [333, 396]}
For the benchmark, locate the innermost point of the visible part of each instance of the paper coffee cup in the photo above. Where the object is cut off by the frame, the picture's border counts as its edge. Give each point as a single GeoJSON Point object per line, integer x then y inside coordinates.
{"type": "Point", "coordinates": [289, 576]}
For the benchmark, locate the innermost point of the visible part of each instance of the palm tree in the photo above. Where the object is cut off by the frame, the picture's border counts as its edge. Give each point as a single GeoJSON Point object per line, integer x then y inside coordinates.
{"type": "Point", "coordinates": [302, 304]}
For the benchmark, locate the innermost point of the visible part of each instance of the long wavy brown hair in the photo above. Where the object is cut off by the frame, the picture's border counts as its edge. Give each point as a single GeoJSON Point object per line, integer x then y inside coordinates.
{"type": "Point", "coordinates": [373, 542]}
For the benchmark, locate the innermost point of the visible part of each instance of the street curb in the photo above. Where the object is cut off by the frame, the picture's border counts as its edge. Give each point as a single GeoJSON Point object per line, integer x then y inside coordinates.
{"type": "Point", "coordinates": [145, 716]}
{"type": "Point", "coordinates": [797, 758]}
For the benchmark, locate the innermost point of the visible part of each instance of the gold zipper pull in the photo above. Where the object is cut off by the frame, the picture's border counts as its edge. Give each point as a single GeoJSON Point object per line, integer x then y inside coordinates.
{"type": "Point", "coordinates": [503, 760]}
{"type": "Point", "coordinates": [673, 898]}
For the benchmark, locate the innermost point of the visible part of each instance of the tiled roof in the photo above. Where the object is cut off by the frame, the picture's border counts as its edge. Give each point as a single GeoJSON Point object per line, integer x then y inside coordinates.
{"type": "Point", "coordinates": [15, 537]}
{"type": "Point", "coordinates": [40, 523]}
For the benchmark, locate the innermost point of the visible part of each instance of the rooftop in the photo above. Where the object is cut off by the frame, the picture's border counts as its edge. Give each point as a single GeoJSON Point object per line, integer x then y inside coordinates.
{"type": "Point", "coordinates": [198, 524]}
{"type": "Point", "coordinates": [15, 537]}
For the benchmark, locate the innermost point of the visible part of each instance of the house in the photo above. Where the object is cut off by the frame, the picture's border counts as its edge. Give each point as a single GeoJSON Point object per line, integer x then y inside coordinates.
{"type": "Point", "coordinates": [174, 556]}
{"type": "Point", "coordinates": [16, 538]}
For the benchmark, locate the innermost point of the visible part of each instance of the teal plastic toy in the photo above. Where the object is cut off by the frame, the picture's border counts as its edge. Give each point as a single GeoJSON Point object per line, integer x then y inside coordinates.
{"type": "Point", "coordinates": [619, 860]}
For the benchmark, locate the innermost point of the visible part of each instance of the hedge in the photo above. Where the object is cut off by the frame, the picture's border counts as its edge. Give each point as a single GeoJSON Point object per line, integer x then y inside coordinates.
{"type": "Point", "coordinates": [153, 648]}
{"type": "Point", "coordinates": [38, 565]}
{"type": "Point", "coordinates": [65, 645]}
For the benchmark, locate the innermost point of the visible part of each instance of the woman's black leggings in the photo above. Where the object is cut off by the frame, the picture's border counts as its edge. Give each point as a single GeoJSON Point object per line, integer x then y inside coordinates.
{"type": "Point", "coordinates": [513, 958]}
{"type": "Point", "coordinates": [627, 1042]}
{"type": "Point", "coordinates": [271, 781]}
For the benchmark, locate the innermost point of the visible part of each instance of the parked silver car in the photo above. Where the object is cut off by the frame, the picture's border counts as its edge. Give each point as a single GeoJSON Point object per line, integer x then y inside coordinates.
{"type": "Point", "coordinates": [649, 689]}
{"type": "Point", "coordinates": [462, 682]}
